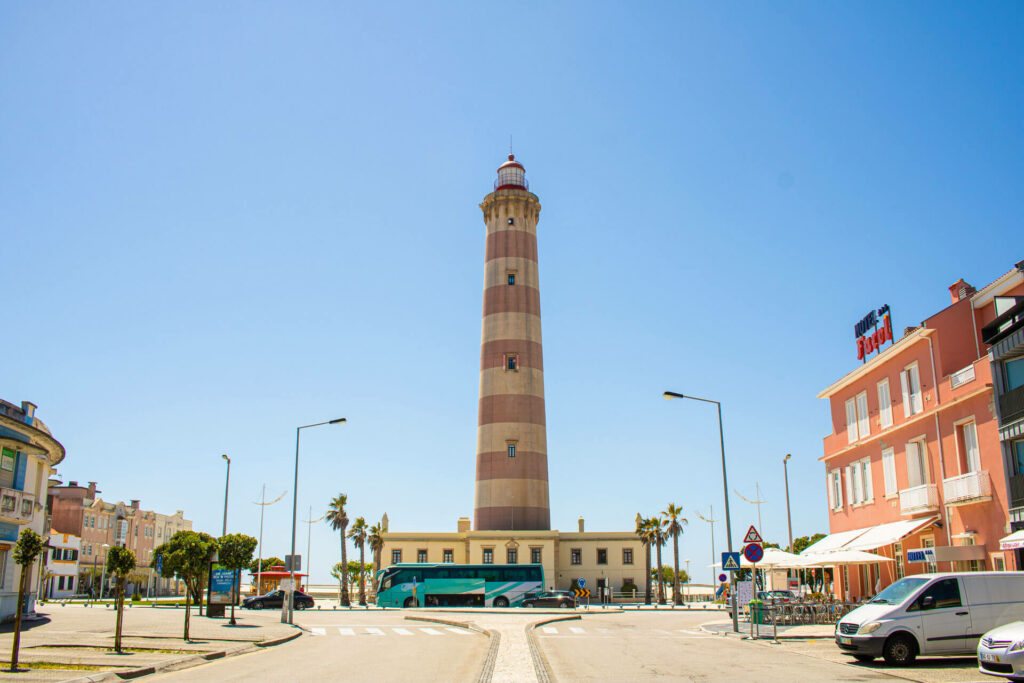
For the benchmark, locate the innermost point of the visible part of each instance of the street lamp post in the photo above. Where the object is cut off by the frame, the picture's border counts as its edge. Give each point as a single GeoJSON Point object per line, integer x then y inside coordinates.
{"type": "Point", "coordinates": [725, 487]}
{"type": "Point", "coordinates": [789, 519]}
{"type": "Point", "coordinates": [286, 604]}
{"type": "Point", "coordinates": [103, 570]}
{"type": "Point", "coordinates": [227, 481]}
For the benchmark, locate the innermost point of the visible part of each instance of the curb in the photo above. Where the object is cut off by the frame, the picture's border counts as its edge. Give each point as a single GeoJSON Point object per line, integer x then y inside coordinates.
{"type": "Point", "coordinates": [184, 662]}
{"type": "Point", "coordinates": [541, 666]}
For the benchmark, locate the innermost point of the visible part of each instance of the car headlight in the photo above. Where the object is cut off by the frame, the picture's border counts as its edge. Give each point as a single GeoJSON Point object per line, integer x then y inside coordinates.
{"type": "Point", "coordinates": [869, 627]}
{"type": "Point", "coordinates": [1016, 647]}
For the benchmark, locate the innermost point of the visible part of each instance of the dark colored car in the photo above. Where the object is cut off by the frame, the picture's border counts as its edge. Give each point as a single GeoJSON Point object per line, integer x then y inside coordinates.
{"type": "Point", "coordinates": [550, 599]}
{"type": "Point", "coordinates": [274, 599]}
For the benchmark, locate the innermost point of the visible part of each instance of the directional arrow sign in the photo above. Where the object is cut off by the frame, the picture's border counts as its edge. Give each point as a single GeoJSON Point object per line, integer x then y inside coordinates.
{"type": "Point", "coordinates": [731, 562]}
{"type": "Point", "coordinates": [752, 536]}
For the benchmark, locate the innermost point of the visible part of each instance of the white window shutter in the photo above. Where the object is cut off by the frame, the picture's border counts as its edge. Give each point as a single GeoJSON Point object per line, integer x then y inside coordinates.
{"type": "Point", "coordinates": [838, 486]}
{"type": "Point", "coordinates": [863, 421]}
{"type": "Point", "coordinates": [831, 491]}
{"type": "Point", "coordinates": [884, 403]}
{"type": "Point", "coordinates": [869, 493]}
{"type": "Point", "coordinates": [851, 421]}
{"type": "Point", "coordinates": [850, 500]}
{"type": "Point", "coordinates": [889, 470]}
{"type": "Point", "coordinates": [906, 393]}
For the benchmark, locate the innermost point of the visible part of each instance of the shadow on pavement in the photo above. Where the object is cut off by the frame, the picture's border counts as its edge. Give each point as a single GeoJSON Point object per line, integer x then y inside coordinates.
{"type": "Point", "coordinates": [920, 663]}
{"type": "Point", "coordinates": [26, 624]}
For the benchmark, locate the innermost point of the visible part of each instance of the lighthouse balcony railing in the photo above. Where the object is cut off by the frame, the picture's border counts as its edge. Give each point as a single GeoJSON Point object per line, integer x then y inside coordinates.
{"type": "Point", "coordinates": [508, 184]}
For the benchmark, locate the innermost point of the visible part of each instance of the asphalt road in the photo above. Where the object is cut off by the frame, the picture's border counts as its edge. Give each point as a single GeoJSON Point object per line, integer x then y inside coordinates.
{"type": "Point", "coordinates": [355, 646]}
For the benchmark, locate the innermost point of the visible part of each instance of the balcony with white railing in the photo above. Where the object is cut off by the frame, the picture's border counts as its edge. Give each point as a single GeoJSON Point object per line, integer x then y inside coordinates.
{"type": "Point", "coordinates": [961, 377]}
{"type": "Point", "coordinates": [917, 499]}
{"type": "Point", "coordinates": [16, 507]}
{"type": "Point", "coordinates": [972, 487]}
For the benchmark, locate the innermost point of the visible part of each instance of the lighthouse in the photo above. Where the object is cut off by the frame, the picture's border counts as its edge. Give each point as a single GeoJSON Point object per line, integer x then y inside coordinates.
{"type": "Point", "coordinates": [511, 450]}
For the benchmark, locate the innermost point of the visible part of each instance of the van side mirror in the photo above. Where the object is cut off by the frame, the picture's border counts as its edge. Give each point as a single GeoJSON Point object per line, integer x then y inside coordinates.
{"type": "Point", "coordinates": [927, 602]}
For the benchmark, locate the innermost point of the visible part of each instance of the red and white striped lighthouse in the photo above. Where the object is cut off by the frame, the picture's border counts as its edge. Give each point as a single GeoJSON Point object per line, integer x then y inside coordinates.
{"type": "Point", "coordinates": [511, 450]}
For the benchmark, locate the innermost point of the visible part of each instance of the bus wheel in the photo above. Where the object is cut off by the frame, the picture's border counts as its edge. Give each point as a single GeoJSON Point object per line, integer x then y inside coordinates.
{"type": "Point", "coordinates": [410, 602]}
{"type": "Point", "coordinates": [501, 602]}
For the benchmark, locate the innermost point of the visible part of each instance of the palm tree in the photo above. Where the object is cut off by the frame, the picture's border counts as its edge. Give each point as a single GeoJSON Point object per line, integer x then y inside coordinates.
{"type": "Point", "coordinates": [376, 546]}
{"type": "Point", "coordinates": [337, 517]}
{"type": "Point", "coordinates": [660, 537]}
{"type": "Point", "coordinates": [676, 522]}
{"type": "Point", "coordinates": [358, 534]}
{"type": "Point", "coordinates": [647, 533]}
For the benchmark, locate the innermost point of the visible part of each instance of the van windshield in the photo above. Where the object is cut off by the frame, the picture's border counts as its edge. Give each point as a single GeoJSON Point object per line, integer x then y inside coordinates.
{"type": "Point", "coordinates": [898, 592]}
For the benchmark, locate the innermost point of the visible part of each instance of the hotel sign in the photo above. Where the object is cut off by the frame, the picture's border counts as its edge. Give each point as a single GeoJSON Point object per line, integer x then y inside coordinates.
{"type": "Point", "coordinates": [869, 335]}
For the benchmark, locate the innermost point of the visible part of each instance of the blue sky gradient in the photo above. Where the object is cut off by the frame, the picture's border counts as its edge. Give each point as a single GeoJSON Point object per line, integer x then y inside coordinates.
{"type": "Point", "coordinates": [220, 222]}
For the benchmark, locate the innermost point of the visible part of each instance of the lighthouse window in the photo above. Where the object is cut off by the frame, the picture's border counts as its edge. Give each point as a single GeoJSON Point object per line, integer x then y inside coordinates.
{"type": "Point", "coordinates": [511, 221]}
{"type": "Point", "coordinates": [511, 449]}
{"type": "Point", "coordinates": [511, 361]}
{"type": "Point", "coordinates": [511, 277]}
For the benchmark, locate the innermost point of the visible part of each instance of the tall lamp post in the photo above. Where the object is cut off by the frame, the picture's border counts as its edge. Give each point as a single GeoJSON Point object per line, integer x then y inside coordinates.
{"type": "Point", "coordinates": [789, 519]}
{"type": "Point", "coordinates": [725, 488]}
{"type": "Point", "coordinates": [286, 604]}
{"type": "Point", "coordinates": [227, 481]}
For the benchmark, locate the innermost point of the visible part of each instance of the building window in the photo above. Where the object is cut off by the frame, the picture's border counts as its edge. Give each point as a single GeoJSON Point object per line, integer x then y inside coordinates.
{"type": "Point", "coordinates": [511, 448]}
{"type": "Point", "coordinates": [1017, 455]}
{"type": "Point", "coordinates": [910, 383]}
{"type": "Point", "coordinates": [511, 361]}
{"type": "Point", "coordinates": [421, 555]}
{"type": "Point", "coordinates": [576, 555]}
{"type": "Point", "coordinates": [488, 555]}
{"type": "Point", "coordinates": [535, 556]}
{"type": "Point", "coordinates": [930, 543]}
{"type": "Point", "coordinates": [602, 556]}
{"type": "Point", "coordinates": [967, 447]}
{"type": "Point", "coordinates": [898, 552]}
{"type": "Point", "coordinates": [511, 556]}
{"type": "Point", "coordinates": [858, 477]}
{"type": "Point", "coordinates": [835, 490]}
{"type": "Point", "coordinates": [858, 425]}
{"type": "Point", "coordinates": [851, 421]}
{"type": "Point", "coordinates": [917, 464]}
{"type": "Point", "coordinates": [999, 563]}
{"type": "Point", "coordinates": [511, 221]}
{"type": "Point", "coordinates": [7, 460]}
{"type": "Point", "coordinates": [396, 556]}
{"type": "Point", "coordinates": [889, 471]}
{"type": "Point", "coordinates": [1013, 373]}
{"type": "Point", "coordinates": [447, 555]}
{"type": "Point", "coordinates": [511, 277]}
{"type": "Point", "coordinates": [884, 403]}
{"type": "Point", "coordinates": [627, 556]}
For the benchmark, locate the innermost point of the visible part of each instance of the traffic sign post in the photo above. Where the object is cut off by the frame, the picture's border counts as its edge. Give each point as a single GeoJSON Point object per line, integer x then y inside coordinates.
{"type": "Point", "coordinates": [722, 578]}
{"type": "Point", "coordinates": [753, 552]}
{"type": "Point", "coordinates": [752, 536]}
{"type": "Point", "coordinates": [581, 582]}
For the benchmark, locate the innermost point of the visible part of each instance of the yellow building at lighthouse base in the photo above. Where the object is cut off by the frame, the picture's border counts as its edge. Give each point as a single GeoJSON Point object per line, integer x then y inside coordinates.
{"type": "Point", "coordinates": [605, 560]}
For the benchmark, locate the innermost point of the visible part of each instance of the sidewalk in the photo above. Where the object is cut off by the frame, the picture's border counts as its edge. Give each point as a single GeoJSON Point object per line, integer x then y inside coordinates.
{"type": "Point", "coordinates": [767, 631]}
{"type": "Point", "coordinates": [76, 642]}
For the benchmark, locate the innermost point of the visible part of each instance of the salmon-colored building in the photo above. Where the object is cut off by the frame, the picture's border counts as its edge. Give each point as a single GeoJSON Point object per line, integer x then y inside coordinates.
{"type": "Point", "coordinates": [913, 467]}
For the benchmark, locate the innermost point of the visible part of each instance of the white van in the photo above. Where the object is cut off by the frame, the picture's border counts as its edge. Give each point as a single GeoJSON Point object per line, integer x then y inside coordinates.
{"type": "Point", "coordinates": [932, 614]}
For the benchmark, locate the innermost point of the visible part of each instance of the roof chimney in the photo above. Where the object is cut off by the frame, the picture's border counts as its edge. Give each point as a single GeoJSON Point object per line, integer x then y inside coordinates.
{"type": "Point", "coordinates": [135, 503]}
{"type": "Point", "coordinates": [92, 489]}
{"type": "Point", "coordinates": [960, 290]}
{"type": "Point", "coordinates": [581, 525]}
{"type": "Point", "coordinates": [463, 525]}
{"type": "Point", "coordinates": [72, 483]}
{"type": "Point", "coordinates": [29, 409]}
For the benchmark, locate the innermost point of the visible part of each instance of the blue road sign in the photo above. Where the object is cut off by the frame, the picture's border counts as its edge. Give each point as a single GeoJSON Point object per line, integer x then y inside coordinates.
{"type": "Point", "coordinates": [722, 577]}
{"type": "Point", "coordinates": [582, 583]}
{"type": "Point", "coordinates": [731, 562]}
{"type": "Point", "coordinates": [753, 552]}
{"type": "Point", "coordinates": [159, 564]}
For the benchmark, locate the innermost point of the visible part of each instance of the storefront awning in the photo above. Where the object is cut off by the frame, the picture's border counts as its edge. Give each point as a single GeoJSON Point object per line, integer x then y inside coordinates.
{"type": "Point", "coordinates": [868, 538]}
{"type": "Point", "coordinates": [887, 534]}
{"type": "Point", "coordinates": [1013, 541]}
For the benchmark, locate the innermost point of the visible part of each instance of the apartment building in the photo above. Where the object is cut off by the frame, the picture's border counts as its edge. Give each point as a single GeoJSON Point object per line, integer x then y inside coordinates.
{"type": "Point", "coordinates": [913, 467]}
{"type": "Point", "coordinates": [28, 455]}
{"type": "Point", "coordinates": [1005, 337]}
{"type": "Point", "coordinates": [62, 565]}
{"type": "Point", "coordinates": [80, 511]}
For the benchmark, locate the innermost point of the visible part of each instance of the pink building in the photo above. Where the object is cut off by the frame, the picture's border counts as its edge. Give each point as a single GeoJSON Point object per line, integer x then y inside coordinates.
{"type": "Point", "coordinates": [914, 467]}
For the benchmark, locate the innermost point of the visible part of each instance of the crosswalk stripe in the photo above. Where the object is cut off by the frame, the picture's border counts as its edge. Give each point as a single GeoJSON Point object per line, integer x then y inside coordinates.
{"type": "Point", "coordinates": [457, 631]}
{"type": "Point", "coordinates": [577, 629]}
{"type": "Point", "coordinates": [431, 631]}
{"type": "Point", "coordinates": [319, 631]}
{"type": "Point", "coordinates": [549, 629]}
{"type": "Point", "coordinates": [374, 632]}
{"type": "Point", "coordinates": [402, 631]}
{"type": "Point", "coordinates": [347, 631]}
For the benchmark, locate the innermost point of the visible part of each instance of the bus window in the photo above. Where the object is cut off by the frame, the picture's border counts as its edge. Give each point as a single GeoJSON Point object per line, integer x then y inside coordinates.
{"type": "Point", "coordinates": [490, 574]}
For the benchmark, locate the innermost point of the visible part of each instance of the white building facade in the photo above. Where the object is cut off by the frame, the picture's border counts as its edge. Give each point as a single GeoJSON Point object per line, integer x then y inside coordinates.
{"type": "Point", "coordinates": [62, 565]}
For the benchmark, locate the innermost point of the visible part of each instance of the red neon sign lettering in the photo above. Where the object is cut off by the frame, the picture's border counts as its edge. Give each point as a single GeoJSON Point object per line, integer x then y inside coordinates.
{"type": "Point", "coordinates": [869, 343]}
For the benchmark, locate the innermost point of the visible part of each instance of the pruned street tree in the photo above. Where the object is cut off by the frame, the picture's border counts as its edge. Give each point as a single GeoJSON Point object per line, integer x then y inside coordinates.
{"type": "Point", "coordinates": [120, 563]}
{"type": "Point", "coordinates": [186, 555]}
{"type": "Point", "coordinates": [337, 517]}
{"type": "Point", "coordinates": [358, 534]}
{"type": "Point", "coordinates": [26, 550]}
{"type": "Point", "coordinates": [235, 553]}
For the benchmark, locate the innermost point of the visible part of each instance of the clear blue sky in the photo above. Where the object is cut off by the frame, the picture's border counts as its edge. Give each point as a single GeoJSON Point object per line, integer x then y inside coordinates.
{"type": "Point", "coordinates": [222, 221]}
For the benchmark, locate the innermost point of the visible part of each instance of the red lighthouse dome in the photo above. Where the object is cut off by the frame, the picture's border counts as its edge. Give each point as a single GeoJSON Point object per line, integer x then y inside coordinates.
{"type": "Point", "coordinates": [511, 176]}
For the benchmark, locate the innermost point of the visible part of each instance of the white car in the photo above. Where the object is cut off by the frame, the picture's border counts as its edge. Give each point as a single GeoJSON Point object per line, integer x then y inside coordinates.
{"type": "Point", "coordinates": [1001, 652]}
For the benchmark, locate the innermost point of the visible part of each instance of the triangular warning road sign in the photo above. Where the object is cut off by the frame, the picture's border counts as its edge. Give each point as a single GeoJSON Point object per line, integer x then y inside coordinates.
{"type": "Point", "coordinates": [752, 536]}
{"type": "Point", "coordinates": [730, 563]}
